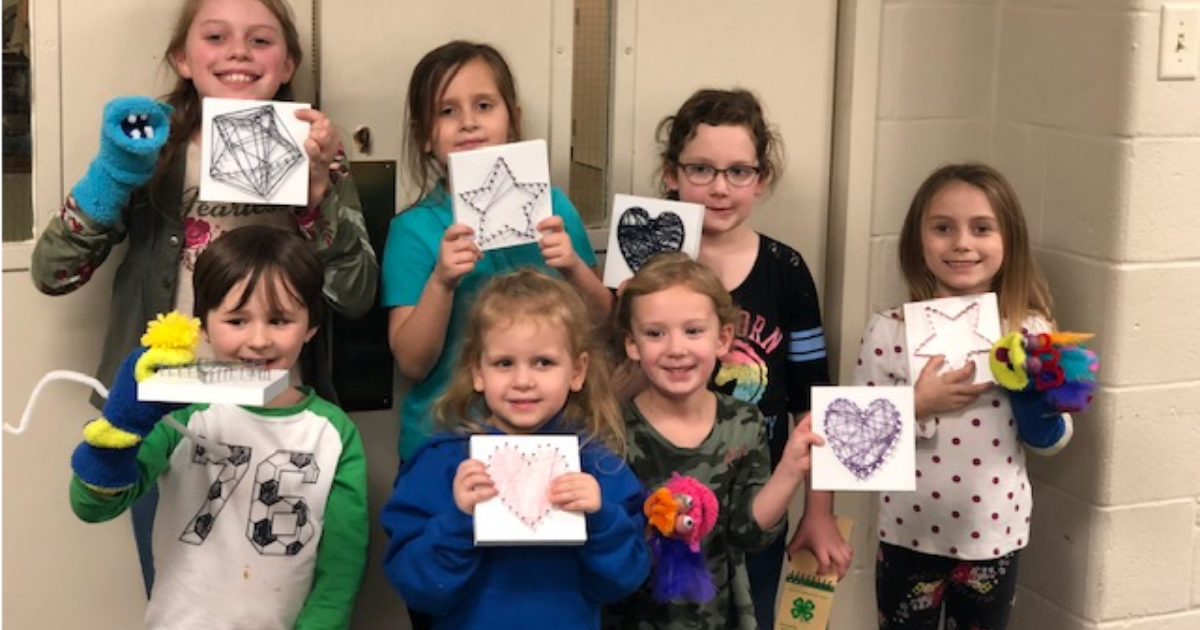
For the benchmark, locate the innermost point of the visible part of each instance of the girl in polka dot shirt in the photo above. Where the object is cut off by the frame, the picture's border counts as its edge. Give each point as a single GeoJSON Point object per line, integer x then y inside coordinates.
{"type": "Point", "coordinates": [953, 544]}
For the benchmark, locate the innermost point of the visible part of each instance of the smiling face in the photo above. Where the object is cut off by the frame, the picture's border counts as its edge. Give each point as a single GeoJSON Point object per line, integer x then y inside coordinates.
{"type": "Point", "coordinates": [960, 237]}
{"type": "Point", "coordinates": [270, 329]}
{"type": "Point", "coordinates": [470, 113]}
{"type": "Point", "coordinates": [525, 374]}
{"type": "Point", "coordinates": [677, 339]}
{"type": "Point", "coordinates": [721, 146]}
{"type": "Point", "coordinates": [235, 49]}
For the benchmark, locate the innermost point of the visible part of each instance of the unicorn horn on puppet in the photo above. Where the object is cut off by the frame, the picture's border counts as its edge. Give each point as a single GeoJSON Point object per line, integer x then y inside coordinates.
{"type": "Point", "coordinates": [1049, 376]}
{"type": "Point", "coordinates": [680, 513]}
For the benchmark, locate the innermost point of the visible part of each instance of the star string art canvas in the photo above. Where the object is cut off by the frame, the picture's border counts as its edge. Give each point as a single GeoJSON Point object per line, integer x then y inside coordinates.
{"type": "Point", "coordinates": [502, 192]}
{"type": "Point", "coordinates": [645, 226]}
{"type": "Point", "coordinates": [253, 152]}
{"type": "Point", "coordinates": [869, 438]}
{"type": "Point", "coordinates": [960, 328]}
{"type": "Point", "coordinates": [522, 467]}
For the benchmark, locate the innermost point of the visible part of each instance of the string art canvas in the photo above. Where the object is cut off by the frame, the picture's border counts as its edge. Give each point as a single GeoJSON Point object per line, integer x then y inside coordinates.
{"type": "Point", "coordinates": [502, 192]}
{"type": "Point", "coordinates": [643, 227]}
{"type": "Point", "coordinates": [215, 383]}
{"type": "Point", "coordinates": [253, 152]}
{"type": "Point", "coordinates": [960, 328]}
{"type": "Point", "coordinates": [522, 467]}
{"type": "Point", "coordinates": [869, 438]}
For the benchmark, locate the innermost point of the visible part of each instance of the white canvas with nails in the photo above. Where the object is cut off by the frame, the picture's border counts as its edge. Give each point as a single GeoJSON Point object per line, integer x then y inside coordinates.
{"type": "Point", "coordinates": [960, 328]}
{"type": "Point", "coordinates": [522, 467]}
{"type": "Point", "coordinates": [869, 436]}
{"type": "Point", "coordinates": [645, 226]}
{"type": "Point", "coordinates": [501, 192]}
{"type": "Point", "coordinates": [252, 152]}
{"type": "Point", "coordinates": [254, 388]}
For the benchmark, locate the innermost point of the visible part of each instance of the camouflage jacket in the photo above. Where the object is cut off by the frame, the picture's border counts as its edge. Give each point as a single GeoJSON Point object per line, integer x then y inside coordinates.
{"type": "Point", "coordinates": [733, 462]}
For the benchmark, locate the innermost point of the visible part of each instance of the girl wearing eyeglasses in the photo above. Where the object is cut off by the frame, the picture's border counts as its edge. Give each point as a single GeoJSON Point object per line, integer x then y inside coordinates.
{"type": "Point", "coordinates": [718, 150]}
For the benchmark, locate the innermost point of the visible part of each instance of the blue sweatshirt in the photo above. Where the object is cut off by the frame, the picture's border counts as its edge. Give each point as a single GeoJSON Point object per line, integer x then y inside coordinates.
{"type": "Point", "coordinates": [433, 563]}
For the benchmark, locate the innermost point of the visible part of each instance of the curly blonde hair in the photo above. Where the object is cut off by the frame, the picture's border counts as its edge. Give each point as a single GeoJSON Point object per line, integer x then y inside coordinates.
{"type": "Point", "coordinates": [529, 295]}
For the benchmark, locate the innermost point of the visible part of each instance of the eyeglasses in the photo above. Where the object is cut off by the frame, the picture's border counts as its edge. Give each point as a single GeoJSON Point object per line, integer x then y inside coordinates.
{"type": "Point", "coordinates": [737, 175]}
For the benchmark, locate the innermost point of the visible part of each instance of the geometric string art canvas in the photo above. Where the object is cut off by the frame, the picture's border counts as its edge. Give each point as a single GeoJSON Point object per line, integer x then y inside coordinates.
{"type": "Point", "coordinates": [522, 468]}
{"type": "Point", "coordinates": [252, 153]}
{"type": "Point", "coordinates": [501, 192]}
{"type": "Point", "coordinates": [643, 227]}
{"type": "Point", "coordinates": [869, 442]}
{"type": "Point", "coordinates": [962, 329]}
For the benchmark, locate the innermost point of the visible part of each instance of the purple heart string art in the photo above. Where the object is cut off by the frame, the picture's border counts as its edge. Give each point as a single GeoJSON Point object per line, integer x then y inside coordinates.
{"type": "Point", "coordinates": [862, 440]}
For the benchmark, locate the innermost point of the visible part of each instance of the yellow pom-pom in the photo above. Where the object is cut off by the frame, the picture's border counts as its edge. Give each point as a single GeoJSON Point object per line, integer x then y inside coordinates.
{"type": "Point", "coordinates": [172, 331]}
{"type": "Point", "coordinates": [172, 340]}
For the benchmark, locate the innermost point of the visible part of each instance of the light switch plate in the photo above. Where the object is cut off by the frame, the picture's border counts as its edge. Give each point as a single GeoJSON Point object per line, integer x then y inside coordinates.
{"type": "Point", "coordinates": [1179, 42]}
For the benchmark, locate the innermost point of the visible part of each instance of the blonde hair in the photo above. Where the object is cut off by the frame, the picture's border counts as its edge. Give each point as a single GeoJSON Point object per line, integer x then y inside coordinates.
{"type": "Point", "coordinates": [1020, 285]}
{"type": "Point", "coordinates": [529, 295]}
{"type": "Point", "coordinates": [674, 269]}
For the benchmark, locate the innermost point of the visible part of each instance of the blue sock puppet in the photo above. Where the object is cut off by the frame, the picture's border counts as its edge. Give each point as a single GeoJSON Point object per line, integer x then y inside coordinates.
{"type": "Point", "coordinates": [132, 132]}
{"type": "Point", "coordinates": [106, 460]}
{"type": "Point", "coordinates": [1048, 376]}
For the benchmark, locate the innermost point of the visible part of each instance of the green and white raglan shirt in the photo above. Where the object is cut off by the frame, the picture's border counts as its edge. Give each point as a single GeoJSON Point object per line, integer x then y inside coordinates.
{"type": "Point", "coordinates": [274, 536]}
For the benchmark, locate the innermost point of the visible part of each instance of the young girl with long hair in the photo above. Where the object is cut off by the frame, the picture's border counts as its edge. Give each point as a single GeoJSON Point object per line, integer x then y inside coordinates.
{"type": "Point", "coordinates": [719, 150]}
{"type": "Point", "coordinates": [953, 544]}
{"type": "Point", "coordinates": [676, 320]}
{"type": "Point", "coordinates": [461, 96]}
{"type": "Point", "coordinates": [531, 364]}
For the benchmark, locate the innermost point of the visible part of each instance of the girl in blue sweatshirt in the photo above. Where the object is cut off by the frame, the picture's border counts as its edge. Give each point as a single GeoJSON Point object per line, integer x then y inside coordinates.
{"type": "Point", "coordinates": [531, 364]}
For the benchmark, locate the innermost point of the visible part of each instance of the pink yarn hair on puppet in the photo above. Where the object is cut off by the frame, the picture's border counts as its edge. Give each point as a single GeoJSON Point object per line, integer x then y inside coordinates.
{"type": "Point", "coordinates": [681, 513]}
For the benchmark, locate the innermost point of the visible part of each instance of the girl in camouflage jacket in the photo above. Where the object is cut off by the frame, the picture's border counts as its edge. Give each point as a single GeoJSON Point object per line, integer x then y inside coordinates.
{"type": "Point", "coordinates": [677, 320]}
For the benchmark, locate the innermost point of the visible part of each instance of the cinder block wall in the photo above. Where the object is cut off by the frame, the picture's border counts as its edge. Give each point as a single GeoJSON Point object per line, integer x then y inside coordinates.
{"type": "Point", "coordinates": [1063, 96]}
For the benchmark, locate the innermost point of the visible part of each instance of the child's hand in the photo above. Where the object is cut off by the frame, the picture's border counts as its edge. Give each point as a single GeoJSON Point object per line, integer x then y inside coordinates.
{"type": "Point", "coordinates": [457, 256]}
{"type": "Point", "coordinates": [818, 533]}
{"type": "Point", "coordinates": [556, 246]}
{"type": "Point", "coordinates": [797, 453]}
{"type": "Point", "coordinates": [322, 147]}
{"type": "Point", "coordinates": [941, 393]}
{"type": "Point", "coordinates": [576, 492]}
{"type": "Point", "coordinates": [472, 485]}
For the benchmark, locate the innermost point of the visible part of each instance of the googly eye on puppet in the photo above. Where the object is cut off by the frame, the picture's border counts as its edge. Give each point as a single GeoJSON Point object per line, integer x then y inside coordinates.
{"type": "Point", "coordinates": [681, 513]}
{"type": "Point", "coordinates": [1048, 375]}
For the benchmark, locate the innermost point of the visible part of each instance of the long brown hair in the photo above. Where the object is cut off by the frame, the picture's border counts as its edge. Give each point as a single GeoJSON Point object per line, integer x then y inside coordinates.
{"type": "Point", "coordinates": [529, 295]}
{"type": "Point", "coordinates": [428, 83]}
{"type": "Point", "coordinates": [735, 107]}
{"type": "Point", "coordinates": [184, 98]}
{"type": "Point", "coordinates": [1020, 285]}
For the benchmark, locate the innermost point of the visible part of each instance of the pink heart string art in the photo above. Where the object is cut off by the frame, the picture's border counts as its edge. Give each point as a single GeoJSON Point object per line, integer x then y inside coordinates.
{"type": "Point", "coordinates": [861, 439]}
{"type": "Point", "coordinates": [523, 480]}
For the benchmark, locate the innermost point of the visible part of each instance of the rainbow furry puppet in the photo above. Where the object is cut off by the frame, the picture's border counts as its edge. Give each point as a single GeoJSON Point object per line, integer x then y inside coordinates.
{"type": "Point", "coordinates": [1048, 375]}
{"type": "Point", "coordinates": [106, 460]}
{"type": "Point", "coordinates": [680, 513]}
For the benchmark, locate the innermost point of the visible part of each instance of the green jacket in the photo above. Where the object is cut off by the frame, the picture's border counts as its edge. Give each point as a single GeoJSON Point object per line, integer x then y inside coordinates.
{"type": "Point", "coordinates": [73, 246]}
{"type": "Point", "coordinates": [733, 461]}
